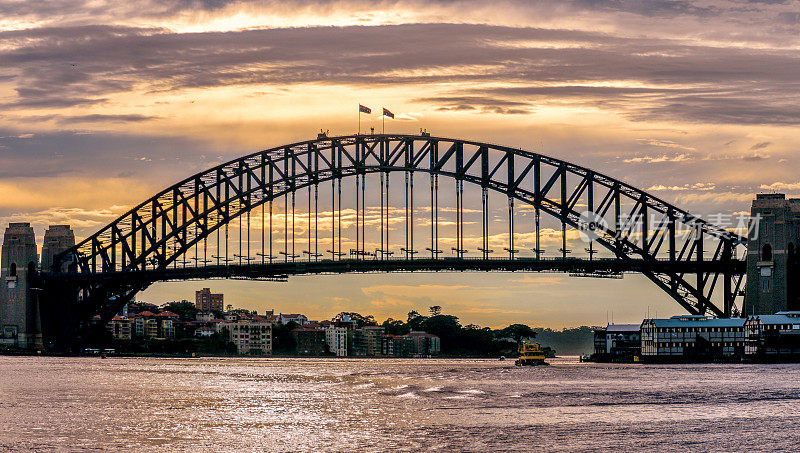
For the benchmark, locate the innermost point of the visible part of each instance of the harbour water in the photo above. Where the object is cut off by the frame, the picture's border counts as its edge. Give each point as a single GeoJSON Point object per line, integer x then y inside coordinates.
{"type": "Point", "coordinates": [231, 404]}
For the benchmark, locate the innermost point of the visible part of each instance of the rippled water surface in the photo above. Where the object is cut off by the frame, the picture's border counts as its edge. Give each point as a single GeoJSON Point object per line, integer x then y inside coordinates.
{"type": "Point", "coordinates": [392, 404]}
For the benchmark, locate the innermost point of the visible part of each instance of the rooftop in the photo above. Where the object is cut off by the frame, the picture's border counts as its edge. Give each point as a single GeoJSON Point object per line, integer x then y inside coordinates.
{"type": "Point", "coordinates": [623, 328]}
{"type": "Point", "coordinates": [782, 317]}
{"type": "Point", "coordinates": [696, 321]}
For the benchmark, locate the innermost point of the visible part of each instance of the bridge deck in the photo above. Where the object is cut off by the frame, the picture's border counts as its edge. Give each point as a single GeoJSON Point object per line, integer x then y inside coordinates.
{"type": "Point", "coordinates": [281, 270]}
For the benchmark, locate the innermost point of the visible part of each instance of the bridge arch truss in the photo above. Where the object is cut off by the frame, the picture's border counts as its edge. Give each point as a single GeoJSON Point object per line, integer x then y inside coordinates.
{"type": "Point", "coordinates": [695, 262]}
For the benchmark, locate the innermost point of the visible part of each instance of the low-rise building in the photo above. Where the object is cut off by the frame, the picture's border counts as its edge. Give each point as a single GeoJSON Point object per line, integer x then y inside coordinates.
{"type": "Point", "coordinates": [120, 328]}
{"type": "Point", "coordinates": [145, 325]}
{"type": "Point", "coordinates": [336, 340]}
{"type": "Point", "coordinates": [397, 346]}
{"type": "Point", "coordinates": [773, 336]}
{"type": "Point", "coordinates": [204, 332]}
{"type": "Point", "coordinates": [251, 336]}
{"type": "Point", "coordinates": [425, 343]}
{"type": "Point", "coordinates": [204, 316]}
{"type": "Point", "coordinates": [366, 341]}
{"type": "Point", "coordinates": [692, 337]}
{"type": "Point", "coordinates": [299, 319]}
{"type": "Point", "coordinates": [309, 340]}
{"type": "Point", "coordinates": [166, 324]}
{"type": "Point", "coordinates": [617, 342]}
{"type": "Point", "coordinates": [413, 344]}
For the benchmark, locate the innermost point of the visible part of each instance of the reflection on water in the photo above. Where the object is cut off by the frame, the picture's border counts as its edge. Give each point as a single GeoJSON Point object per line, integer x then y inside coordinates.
{"type": "Point", "coordinates": [392, 404]}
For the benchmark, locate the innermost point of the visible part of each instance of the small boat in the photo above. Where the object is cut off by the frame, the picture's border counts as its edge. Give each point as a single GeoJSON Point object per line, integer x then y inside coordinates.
{"type": "Point", "coordinates": [530, 353]}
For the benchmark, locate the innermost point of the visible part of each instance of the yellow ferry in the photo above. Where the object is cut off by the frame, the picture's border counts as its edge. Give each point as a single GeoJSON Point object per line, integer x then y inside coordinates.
{"type": "Point", "coordinates": [530, 354]}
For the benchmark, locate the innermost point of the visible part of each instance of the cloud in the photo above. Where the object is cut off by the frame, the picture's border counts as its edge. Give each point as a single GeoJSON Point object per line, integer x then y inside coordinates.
{"type": "Point", "coordinates": [717, 198]}
{"type": "Point", "coordinates": [60, 67]}
{"type": "Point", "coordinates": [778, 186]}
{"type": "Point", "coordinates": [664, 144]}
{"type": "Point", "coordinates": [481, 103]}
{"type": "Point", "coordinates": [696, 186]}
{"type": "Point", "coordinates": [760, 145]}
{"type": "Point", "coordinates": [97, 118]}
{"type": "Point", "coordinates": [659, 159]}
{"type": "Point", "coordinates": [93, 118]}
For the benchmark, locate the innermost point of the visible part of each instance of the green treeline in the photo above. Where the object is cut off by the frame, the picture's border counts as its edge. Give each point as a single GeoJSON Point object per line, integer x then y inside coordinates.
{"type": "Point", "coordinates": [476, 341]}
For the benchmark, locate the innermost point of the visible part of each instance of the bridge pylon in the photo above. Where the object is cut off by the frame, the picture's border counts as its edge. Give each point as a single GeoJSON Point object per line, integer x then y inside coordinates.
{"type": "Point", "coordinates": [773, 258]}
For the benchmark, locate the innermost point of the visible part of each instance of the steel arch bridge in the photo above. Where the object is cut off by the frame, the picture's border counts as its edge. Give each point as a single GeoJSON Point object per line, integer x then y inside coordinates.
{"type": "Point", "coordinates": [184, 231]}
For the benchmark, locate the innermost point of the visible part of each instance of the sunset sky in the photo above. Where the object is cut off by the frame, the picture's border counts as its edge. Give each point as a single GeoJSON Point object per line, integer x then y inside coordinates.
{"type": "Point", "coordinates": [103, 103]}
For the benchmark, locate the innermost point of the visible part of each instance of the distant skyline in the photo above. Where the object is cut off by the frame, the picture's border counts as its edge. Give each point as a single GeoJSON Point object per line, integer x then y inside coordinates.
{"type": "Point", "coordinates": [105, 103]}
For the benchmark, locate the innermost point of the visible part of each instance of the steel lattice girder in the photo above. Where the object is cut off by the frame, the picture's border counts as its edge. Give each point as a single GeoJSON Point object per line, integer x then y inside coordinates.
{"type": "Point", "coordinates": [159, 231]}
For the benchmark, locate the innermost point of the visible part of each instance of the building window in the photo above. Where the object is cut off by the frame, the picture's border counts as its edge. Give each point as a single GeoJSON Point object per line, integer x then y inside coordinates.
{"type": "Point", "coordinates": [766, 284]}
{"type": "Point", "coordinates": [13, 270]}
{"type": "Point", "coordinates": [766, 253]}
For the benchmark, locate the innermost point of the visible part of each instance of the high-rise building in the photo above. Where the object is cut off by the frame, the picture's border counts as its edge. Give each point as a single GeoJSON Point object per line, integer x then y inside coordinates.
{"type": "Point", "coordinates": [20, 323]}
{"type": "Point", "coordinates": [205, 300]}
{"type": "Point", "coordinates": [773, 258]}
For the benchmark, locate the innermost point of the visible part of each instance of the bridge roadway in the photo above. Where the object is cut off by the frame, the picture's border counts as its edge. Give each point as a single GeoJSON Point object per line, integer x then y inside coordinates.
{"type": "Point", "coordinates": [597, 267]}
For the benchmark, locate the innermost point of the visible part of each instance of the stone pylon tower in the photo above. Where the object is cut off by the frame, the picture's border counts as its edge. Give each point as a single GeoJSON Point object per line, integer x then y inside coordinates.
{"type": "Point", "coordinates": [773, 256]}
{"type": "Point", "coordinates": [19, 311]}
{"type": "Point", "coordinates": [57, 239]}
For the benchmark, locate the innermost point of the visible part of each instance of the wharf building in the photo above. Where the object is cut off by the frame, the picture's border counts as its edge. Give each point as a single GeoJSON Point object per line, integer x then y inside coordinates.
{"type": "Point", "coordinates": [774, 337]}
{"type": "Point", "coordinates": [618, 342]}
{"type": "Point", "coordinates": [692, 338]}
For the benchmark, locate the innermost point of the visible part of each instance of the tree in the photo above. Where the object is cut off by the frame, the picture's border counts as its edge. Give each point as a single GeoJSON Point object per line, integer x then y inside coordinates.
{"type": "Point", "coordinates": [415, 320]}
{"type": "Point", "coordinates": [446, 327]}
{"type": "Point", "coordinates": [436, 310]}
{"type": "Point", "coordinates": [185, 309]}
{"type": "Point", "coordinates": [517, 332]}
{"type": "Point", "coordinates": [395, 327]}
{"type": "Point", "coordinates": [360, 320]}
{"type": "Point", "coordinates": [282, 338]}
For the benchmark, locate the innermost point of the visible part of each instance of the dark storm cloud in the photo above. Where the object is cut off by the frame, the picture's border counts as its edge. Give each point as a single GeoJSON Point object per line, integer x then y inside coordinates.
{"type": "Point", "coordinates": [650, 8]}
{"type": "Point", "coordinates": [88, 119]}
{"type": "Point", "coordinates": [694, 105]}
{"type": "Point", "coordinates": [789, 18]}
{"type": "Point", "coordinates": [77, 9]}
{"type": "Point", "coordinates": [97, 118]}
{"type": "Point", "coordinates": [730, 110]}
{"type": "Point", "coordinates": [97, 154]}
{"type": "Point", "coordinates": [695, 83]}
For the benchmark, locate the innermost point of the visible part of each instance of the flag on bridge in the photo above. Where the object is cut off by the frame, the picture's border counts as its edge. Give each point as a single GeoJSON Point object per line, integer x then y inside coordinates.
{"type": "Point", "coordinates": [386, 112]}
{"type": "Point", "coordinates": [364, 109]}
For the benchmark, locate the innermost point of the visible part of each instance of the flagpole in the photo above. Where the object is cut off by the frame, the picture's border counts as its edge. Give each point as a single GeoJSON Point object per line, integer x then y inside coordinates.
{"type": "Point", "coordinates": [359, 119]}
{"type": "Point", "coordinates": [383, 119]}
